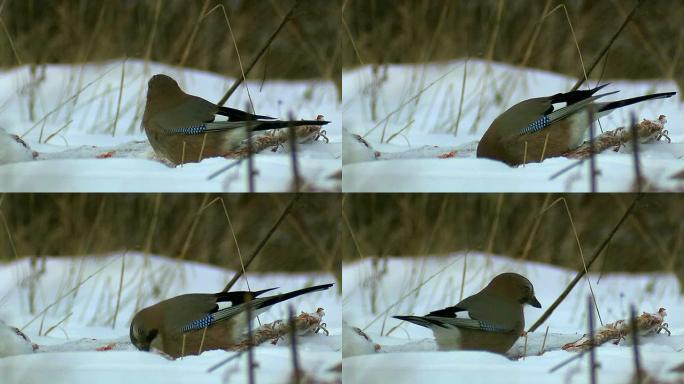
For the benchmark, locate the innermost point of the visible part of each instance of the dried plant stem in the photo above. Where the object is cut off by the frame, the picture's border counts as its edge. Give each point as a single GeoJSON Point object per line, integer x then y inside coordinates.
{"type": "Point", "coordinates": [118, 296]}
{"type": "Point", "coordinates": [250, 348]}
{"type": "Point", "coordinates": [638, 181]}
{"type": "Point", "coordinates": [263, 50]}
{"type": "Point", "coordinates": [67, 294]}
{"type": "Point", "coordinates": [592, 350]}
{"type": "Point", "coordinates": [118, 102]}
{"type": "Point", "coordinates": [263, 242]}
{"type": "Point", "coordinates": [546, 334]}
{"type": "Point", "coordinates": [592, 156]}
{"type": "Point", "coordinates": [293, 157]}
{"type": "Point", "coordinates": [607, 47]}
{"type": "Point", "coordinates": [204, 335]}
{"type": "Point", "coordinates": [193, 227]}
{"type": "Point", "coordinates": [581, 273]}
{"type": "Point", "coordinates": [635, 340]}
{"type": "Point", "coordinates": [296, 372]}
{"type": "Point", "coordinates": [193, 34]}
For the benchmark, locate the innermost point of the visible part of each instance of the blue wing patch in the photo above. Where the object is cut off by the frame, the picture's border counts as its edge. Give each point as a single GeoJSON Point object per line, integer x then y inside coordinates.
{"type": "Point", "coordinates": [491, 328]}
{"type": "Point", "coordinates": [187, 131]}
{"type": "Point", "coordinates": [199, 323]}
{"type": "Point", "coordinates": [536, 125]}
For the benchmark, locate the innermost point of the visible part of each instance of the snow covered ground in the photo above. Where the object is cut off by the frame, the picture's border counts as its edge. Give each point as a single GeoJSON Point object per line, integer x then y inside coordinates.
{"type": "Point", "coordinates": [69, 115]}
{"type": "Point", "coordinates": [412, 114]}
{"type": "Point", "coordinates": [408, 353]}
{"type": "Point", "coordinates": [73, 328]}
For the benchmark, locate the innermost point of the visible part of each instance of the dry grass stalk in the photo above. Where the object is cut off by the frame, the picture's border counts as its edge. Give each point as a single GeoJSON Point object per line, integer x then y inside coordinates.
{"type": "Point", "coordinates": [305, 323]}
{"type": "Point", "coordinates": [648, 131]}
{"type": "Point", "coordinates": [647, 324]}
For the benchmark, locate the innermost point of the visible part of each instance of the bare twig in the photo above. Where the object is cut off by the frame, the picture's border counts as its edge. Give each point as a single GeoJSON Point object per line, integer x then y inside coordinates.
{"type": "Point", "coordinates": [592, 351]}
{"type": "Point", "coordinates": [635, 339]}
{"type": "Point", "coordinates": [118, 102]}
{"type": "Point", "coordinates": [118, 296]}
{"type": "Point", "coordinates": [226, 361]}
{"type": "Point", "coordinates": [296, 374]}
{"type": "Point", "coordinates": [263, 242]}
{"type": "Point", "coordinates": [607, 47]}
{"type": "Point", "coordinates": [193, 34]}
{"type": "Point", "coordinates": [250, 159]}
{"type": "Point", "coordinates": [592, 157]}
{"type": "Point", "coordinates": [229, 166]}
{"type": "Point", "coordinates": [250, 348]}
{"type": "Point", "coordinates": [546, 334]}
{"type": "Point", "coordinates": [581, 273]}
{"type": "Point", "coordinates": [293, 154]}
{"type": "Point", "coordinates": [263, 50]}
{"type": "Point", "coordinates": [638, 182]}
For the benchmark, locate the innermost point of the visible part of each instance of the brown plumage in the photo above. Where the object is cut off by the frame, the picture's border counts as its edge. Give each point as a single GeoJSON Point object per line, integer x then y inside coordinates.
{"type": "Point", "coordinates": [182, 128]}
{"type": "Point", "coordinates": [197, 319]}
{"type": "Point", "coordinates": [496, 316]}
{"type": "Point", "coordinates": [533, 130]}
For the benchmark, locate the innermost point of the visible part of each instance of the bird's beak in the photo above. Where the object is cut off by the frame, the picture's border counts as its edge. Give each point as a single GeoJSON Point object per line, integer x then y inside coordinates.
{"type": "Point", "coordinates": [534, 302]}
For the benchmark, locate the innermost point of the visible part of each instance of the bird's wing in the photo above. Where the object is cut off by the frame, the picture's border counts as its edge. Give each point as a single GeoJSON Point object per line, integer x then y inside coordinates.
{"type": "Point", "coordinates": [513, 120]}
{"type": "Point", "coordinates": [191, 111]}
{"type": "Point", "coordinates": [256, 304]}
{"type": "Point", "coordinates": [552, 116]}
{"type": "Point", "coordinates": [447, 312]}
{"type": "Point", "coordinates": [235, 126]}
{"type": "Point", "coordinates": [453, 322]}
{"type": "Point", "coordinates": [492, 309]}
{"type": "Point", "coordinates": [238, 297]}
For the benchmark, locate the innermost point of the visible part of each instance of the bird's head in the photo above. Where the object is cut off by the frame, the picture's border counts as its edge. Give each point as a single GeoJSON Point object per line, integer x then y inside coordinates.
{"type": "Point", "coordinates": [516, 285]}
{"type": "Point", "coordinates": [161, 85]}
{"type": "Point", "coordinates": [142, 332]}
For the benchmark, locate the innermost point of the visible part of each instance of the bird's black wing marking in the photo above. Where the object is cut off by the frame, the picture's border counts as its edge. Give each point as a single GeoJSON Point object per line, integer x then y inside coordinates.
{"type": "Point", "coordinates": [446, 312]}
{"type": "Point", "coordinates": [238, 115]}
{"type": "Point", "coordinates": [238, 297]}
{"type": "Point", "coordinates": [573, 97]}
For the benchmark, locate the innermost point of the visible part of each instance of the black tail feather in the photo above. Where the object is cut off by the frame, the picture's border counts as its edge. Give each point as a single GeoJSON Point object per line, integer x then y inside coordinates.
{"type": "Point", "coordinates": [573, 97]}
{"type": "Point", "coordinates": [277, 124]}
{"type": "Point", "coordinates": [422, 321]}
{"type": "Point", "coordinates": [268, 301]}
{"type": "Point", "coordinates": [238, 115]}
{"type": "Point", "coordinates": [238, 297]}
{"type": "Point", "coordinates": [634, 100]}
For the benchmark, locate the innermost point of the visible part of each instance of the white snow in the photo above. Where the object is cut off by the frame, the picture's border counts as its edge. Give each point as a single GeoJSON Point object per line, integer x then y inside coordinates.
{"type": "Point", "coordinates": [410, 114]}
{"type": "Point", "coordinates": [68, 115]}
{"type": "Point", "coordinates": [408, 353]}
{"type": "Point", "coordinates": [68, 353]}
{"type": "Point", "coordinates": [11, 343]}
{"type": "Point", "coordinates": [11, 150]}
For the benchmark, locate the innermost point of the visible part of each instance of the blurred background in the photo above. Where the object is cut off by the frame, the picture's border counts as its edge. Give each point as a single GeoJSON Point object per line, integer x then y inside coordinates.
{"type": "Point", "coordinates": [182, 226]}
{"type": "Point", "coordinates": [516, 32]}
{"type": "Point", "coordinates": [190, 33]}
{"type": "Point", "coordinates": [534, 227]}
